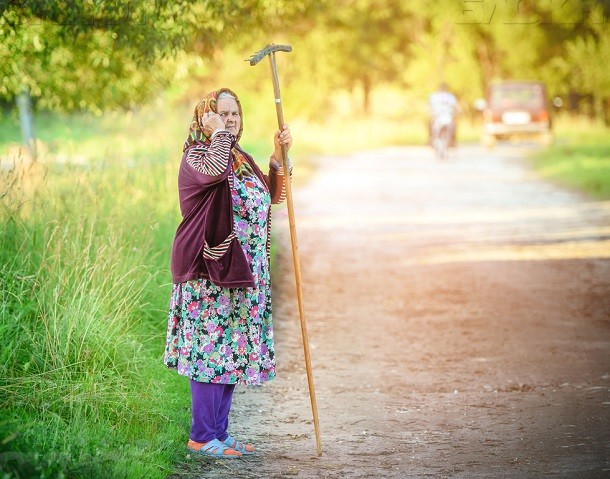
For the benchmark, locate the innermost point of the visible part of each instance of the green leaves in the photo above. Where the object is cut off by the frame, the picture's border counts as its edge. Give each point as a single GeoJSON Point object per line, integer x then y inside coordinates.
{"type": "Point", "coordinates": [91, 55]}
{"type": "Point", "coordinates": [105, 54]}
{"type": "Point", "coordinates": [86, 55]}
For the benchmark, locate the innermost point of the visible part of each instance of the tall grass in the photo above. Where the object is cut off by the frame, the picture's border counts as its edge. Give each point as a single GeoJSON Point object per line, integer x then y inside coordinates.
{"type": "Point", "coordinates": [84, 289]}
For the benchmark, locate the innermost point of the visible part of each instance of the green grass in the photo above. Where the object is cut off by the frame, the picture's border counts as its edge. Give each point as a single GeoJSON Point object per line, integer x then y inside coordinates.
{"type": "Point", "coordinates": [580, 157]}
{"type": "Point", "coordinates": [83, 297]}
{"type": "Point", "coordinates": [84, 252]}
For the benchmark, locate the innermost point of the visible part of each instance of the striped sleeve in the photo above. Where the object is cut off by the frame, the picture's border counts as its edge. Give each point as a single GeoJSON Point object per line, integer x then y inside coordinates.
{"type": "Point", "coordinates": [216, 252]}
{"type": "Point", "coordinates": [276, 174]}
{"type": "Point", "coordinates": [280, 174]}
{"type": "Point", "coordinates": [212, 160]}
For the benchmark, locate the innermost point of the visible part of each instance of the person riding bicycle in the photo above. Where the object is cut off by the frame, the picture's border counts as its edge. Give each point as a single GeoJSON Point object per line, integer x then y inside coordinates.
{"type": "Point", "coordinates": [443, 104]}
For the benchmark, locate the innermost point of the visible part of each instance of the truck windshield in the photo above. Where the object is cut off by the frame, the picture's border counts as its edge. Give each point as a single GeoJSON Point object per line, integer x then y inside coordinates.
{"type": "Point", "coordinates": [517, 96]}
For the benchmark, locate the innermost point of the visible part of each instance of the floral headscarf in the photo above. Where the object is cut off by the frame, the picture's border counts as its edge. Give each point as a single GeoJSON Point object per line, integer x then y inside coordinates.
{"type": "Point", "coordinates": [240, 165]}
{"type": "Point", "coordinates": [207, 104]}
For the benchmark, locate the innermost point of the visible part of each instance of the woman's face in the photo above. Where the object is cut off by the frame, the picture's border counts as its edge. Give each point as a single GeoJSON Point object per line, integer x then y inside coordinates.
{"type": "Point", "coordinates": [228, 111]}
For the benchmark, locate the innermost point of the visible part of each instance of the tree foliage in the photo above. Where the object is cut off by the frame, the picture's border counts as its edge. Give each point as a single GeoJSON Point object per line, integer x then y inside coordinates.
{"type": "Point", "coordinates": [86, 55]}
{"type": "Point", "coordinates": [586, 64]}
{"type": "Point", "coordinates": [97, 54]}
{"type": "Point", "coordinates": [367, 42]}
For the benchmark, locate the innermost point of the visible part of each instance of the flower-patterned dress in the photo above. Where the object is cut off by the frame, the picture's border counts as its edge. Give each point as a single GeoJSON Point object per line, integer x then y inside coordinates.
{"type": "Point", "coordinates": [225, 335]}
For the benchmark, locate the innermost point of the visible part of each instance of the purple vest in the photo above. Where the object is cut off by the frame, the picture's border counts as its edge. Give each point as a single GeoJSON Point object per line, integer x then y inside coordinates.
{"type": "Point", "coordinates": [207, 220]}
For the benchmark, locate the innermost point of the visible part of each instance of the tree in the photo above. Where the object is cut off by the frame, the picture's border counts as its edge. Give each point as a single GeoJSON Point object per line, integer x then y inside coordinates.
{"type": "Point", "coordinates": [99, 54]}
{"type": "Point", "coordinates": [586, 64]}
{"type": "Point", "coordinates": [366, 42]}
{"type": "Point", "coordinates": [85, 55]}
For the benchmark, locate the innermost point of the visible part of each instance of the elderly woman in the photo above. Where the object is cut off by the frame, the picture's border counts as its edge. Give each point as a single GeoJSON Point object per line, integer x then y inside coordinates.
{"type": "Point", "coordinates": [219, 329]}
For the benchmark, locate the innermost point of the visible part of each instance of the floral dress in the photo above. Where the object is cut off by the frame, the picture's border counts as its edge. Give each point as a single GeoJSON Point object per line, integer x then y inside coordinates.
{"type": "Point", "coordinates": [225, 335]}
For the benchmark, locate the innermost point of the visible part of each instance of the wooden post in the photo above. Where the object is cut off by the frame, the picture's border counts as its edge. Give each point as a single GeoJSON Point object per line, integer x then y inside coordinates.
{"type": "Point", "coordinates": [26, 120]}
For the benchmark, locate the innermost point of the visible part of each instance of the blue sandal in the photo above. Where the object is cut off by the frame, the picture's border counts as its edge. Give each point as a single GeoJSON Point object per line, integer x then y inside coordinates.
{"type": "Point", "coordinates": [213, 448]}
{"type": "Point", "coordinates": [241, 447]}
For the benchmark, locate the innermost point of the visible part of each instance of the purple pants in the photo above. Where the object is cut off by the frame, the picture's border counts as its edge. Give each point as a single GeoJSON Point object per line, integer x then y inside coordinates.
{"type": "Point", "coordinates": [211, 404]}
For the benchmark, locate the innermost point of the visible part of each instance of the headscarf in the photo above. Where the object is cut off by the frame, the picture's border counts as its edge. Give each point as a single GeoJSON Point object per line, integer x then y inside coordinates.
{"type": "Point", "coordinates": [209, 103]}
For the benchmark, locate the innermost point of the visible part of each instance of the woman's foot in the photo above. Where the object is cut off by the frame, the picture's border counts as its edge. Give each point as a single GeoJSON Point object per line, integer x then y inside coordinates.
{"type": "Point", "coordinates": [213, 448]}
{"type": "Point", "coordinates": [238, 446]}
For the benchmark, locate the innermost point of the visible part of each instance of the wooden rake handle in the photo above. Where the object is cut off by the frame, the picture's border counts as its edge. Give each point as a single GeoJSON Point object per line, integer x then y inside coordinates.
{"type": "Point", "coordinates": [293, 238]}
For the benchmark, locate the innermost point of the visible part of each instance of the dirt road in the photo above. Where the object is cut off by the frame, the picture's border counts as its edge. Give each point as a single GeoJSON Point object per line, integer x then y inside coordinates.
{"type": "Point", "coordinates": [459, 319]}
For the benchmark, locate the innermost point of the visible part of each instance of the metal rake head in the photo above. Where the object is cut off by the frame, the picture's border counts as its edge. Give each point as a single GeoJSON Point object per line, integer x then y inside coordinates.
{"type": "Point", "coordinates": [272, 48]}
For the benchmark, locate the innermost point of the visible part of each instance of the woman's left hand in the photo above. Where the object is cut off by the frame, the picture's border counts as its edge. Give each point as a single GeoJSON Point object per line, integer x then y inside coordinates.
{"type": "Point", "coordinates": [282, 138]}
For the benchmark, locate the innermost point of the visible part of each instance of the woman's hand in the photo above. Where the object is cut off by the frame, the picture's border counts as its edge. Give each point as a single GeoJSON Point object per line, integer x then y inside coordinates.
{"type": "Point", "coordinates": [282, 138]}
{"type": "Point", "coordinates": [210, 122]}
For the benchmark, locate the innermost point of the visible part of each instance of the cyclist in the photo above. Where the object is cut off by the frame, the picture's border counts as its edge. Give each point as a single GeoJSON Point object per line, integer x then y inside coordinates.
{"type": "Point", "coordinates": [443, 103]}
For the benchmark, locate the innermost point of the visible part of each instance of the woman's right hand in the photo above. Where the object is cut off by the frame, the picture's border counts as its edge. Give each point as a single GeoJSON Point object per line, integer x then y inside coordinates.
{"type": "Point", "coordinates": [210, 122]}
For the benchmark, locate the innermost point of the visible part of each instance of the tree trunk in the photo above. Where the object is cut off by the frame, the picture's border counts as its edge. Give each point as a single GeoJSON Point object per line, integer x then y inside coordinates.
{"type": "Point", "coordinates": [366, 94]}
{"type": "Point", "coordinates": [26, 120]}
{"type": "Point", "coordinates": [487, 60]}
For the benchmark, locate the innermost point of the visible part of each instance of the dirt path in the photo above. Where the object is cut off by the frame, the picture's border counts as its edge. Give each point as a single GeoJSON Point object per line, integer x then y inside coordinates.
{"type": "Point", "coordinates": [459, 319]}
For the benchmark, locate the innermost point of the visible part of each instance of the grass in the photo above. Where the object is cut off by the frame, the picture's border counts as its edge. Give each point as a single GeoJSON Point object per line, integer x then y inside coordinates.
{"type": "Point", "coordinates": [84, 248]}
{"type": "Point", "coordinates": [580, 157]}
{"type": "Point", "coordinates": [82, 304]}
